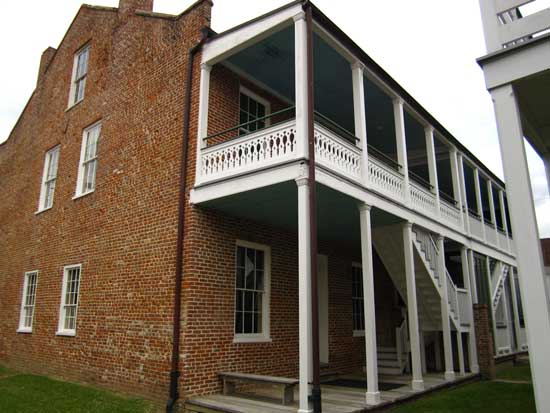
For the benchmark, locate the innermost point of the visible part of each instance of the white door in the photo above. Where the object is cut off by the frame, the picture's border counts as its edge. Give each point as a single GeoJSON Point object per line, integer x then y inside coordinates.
{"type": "Point", "coordinates": [322, 291]}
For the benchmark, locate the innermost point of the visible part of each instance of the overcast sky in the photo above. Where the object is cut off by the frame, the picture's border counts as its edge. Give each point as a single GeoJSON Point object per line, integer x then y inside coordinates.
{"type": "Point", "coordinates": [428, 46]}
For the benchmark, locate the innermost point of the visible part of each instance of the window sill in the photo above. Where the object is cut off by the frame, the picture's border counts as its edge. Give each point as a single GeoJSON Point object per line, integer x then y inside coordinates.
{"type": "Point", "coordinates": [78, 196]}
{"type": "Point", "coordinates": [251, 339]}
{"type": "Point", "coordinates": [24, 330]}
{"type": "Point", "coordinates": [72, 105]}
{"type": "Point", "coordinates": [358, 333]}
{"type": "Point", "coordinates": [42, 210]}
{"type": "Point", "coordinates": [66, 333]}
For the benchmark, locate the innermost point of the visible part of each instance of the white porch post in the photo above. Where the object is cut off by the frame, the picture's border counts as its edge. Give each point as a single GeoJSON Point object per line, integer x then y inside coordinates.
{"type": "Point", "coordinates": [414, 336]}
{"type": "Point", "coordinates": [304, 294]}
{"type": "Point", "coordinates": [504, 220]}
{"type": "Point", "coordinates": [515, 305]}
{"type": "Point", "coordinates": [300, 79]}
{"type": "Point", "coordinates": [357, 73]}
{"type": "Point", "coordinates": [462, 191]}
{"type": "Point", "coordinates": [373, 395]}
{"type": "Point", "coordinates": [479, 202]}
{"type": "Point", "coordinates": [432, 165]}
{"type": "Point", "coordinates": [489, 283]}
{"type": "Point", "coordinates": [461, 367]}
{"type": "Point", "coordinates": [202, 130]}
{"type": "Point", "coordinates": [445, 319]}
{"type": "Point", "coordinates": [492, 207]}
{"type": "Point", "coordinates": [472, 271]}
{"type": "Point", "coordinates": [472, 348]}
{"type": "Point", "coordinates": [401, 141]}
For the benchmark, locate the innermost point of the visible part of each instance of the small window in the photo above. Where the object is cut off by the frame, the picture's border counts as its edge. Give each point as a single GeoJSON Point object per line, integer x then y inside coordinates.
{"type": "Point", "coordinates": [80, 72]}
{"type": "Point", "coordinates": [88, 160]}
{"type": "Point", "coordinates": [252, 107]}
{"type": "Point", "coordinates": [49, 177]}
{"type": "Point", "coordinates": [252, 288]}
{"type": "Point", "coordinates": [357, 298]}
{"type": "Point", "coordinates": [69, 300]}
{"type": "Point", "coordinates": [27, 302]}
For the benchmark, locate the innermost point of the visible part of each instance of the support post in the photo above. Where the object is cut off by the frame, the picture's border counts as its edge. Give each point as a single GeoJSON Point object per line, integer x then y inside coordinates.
{"type": "Point", "coordinates": [412, 307]}
{"type": "Point", "coordinates": [504, 220]}
{"type": "Point", "coordinates": [401, 141]}
{"type": "Point", "coordinates": [357, 73]}
{"type": "Point", "coordinates": [462, 190]}
{"type": "Point", "coordinates": [432, 166]}
{"type": "Point", "coordinates": [304, 294]}
{"type": "Point", "coordinates": [490, 302]}
{"type": "Point", "coordinates": [472, 349]}
{"type": "Point", "coordinates": [546, 160]}
{"type": "Point", "coordinates": [445, 318]}
{"type": "Point", "coordinates": [479, 202]}
{"type": "Point", "coordinates": [473, 281]}
{"type": "Point", "coordinates": [462, 369]}
{"type": "Point", "coordinates": [373, 395]}
{"type": "Point", "coordinates": [202, 129]}
{"type": "Point", "coordinates": [300, 80]}
{"type": "Point", "coordinates": [515, 306]}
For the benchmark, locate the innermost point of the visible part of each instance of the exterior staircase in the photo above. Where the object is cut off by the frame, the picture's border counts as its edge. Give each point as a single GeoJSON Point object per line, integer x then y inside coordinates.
{"type": "Point", "coordinates": [498, 280]}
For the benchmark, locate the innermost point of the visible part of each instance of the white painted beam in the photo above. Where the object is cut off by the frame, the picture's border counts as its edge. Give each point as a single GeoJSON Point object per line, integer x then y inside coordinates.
{"type": "Point", "coordinates": [524, 27]}
{"type": "Point", "coordinates": [301, 88]}
{"type": "Point", "coordinates": [357, 75]}
{"type": "Point", "coordinates": [401, 141]}
{"type": "Point", "coordinates": [432, 165]}
{"type": "Point", "coordinates": [445, 317]}
{"type": "Point", "coordinates": [462, 190]}
{"type": "Point", "coordinates": [505, 5]}
{"type": "Point", "coordinates": [547, 168]}
{"type": "Point", "coordinates": [472, 347]}
{"type": "Point", "coordinates": [479, 202]}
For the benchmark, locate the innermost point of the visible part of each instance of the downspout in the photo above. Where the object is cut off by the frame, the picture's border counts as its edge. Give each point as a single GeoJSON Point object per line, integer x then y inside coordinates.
{"type": "Point", "coordinates": [316, 389]}
{"type": "Point", "coordinates": [174, 372]}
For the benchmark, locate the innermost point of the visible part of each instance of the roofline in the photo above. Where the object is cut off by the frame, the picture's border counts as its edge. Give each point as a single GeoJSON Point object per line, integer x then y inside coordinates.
{"type": "Point", "coordinates": [509, 50]}
{"type": "Point", "coordinates": [167, 16]}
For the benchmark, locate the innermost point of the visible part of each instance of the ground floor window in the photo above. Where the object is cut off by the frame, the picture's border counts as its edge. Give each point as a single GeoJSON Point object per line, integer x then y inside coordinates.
{"type": "Point", "coordinates": [69, 300]}
{"type": "Point", "coordinates": [27, 302]}
{"type": "Point", "coordinates": [357, 298]}
{"type": "Point", "coordinates": [252, 288]}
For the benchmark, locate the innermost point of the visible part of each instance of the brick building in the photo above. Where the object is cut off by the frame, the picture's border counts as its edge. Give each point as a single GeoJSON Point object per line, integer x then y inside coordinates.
{"type": "Point", "coordinates": [115, 221]}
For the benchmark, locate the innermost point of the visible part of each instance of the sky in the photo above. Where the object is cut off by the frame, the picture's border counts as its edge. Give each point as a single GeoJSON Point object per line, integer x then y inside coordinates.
{"type": "Point", "coordinates": [429, 47]}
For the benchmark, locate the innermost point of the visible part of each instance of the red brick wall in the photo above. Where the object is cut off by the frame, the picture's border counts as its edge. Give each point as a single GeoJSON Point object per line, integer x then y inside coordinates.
{"type": "Point", "coordinates": [124, 233]}
{"type": "Point", "coordinates": [484, 340]}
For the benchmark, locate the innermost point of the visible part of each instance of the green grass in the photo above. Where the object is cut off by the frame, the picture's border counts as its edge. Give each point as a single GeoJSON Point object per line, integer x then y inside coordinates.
{"type": "Point", "coordinates": [29, 393]}
{"type": "Point", "coordinates": [520, 372]}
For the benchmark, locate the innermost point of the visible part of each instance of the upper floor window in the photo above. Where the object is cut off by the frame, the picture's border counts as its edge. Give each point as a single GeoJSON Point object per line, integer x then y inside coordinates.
{"type": "Point", "coordinates": [357, 298]}
{"type": "Point", "coordinates": [80, 72]}
{"type": "Point", "coordinates": [252, 289]}
{"type": "Point", "coordinates": [88, 160]}
{"type": "Point", "coordinates": [252, 107]}
{"type": "Point", "coordinates": [49, 177]}
{"type": "Point", "coordinates": [27, 302]}
{"type": "Point", "coordinates": [69, 300]}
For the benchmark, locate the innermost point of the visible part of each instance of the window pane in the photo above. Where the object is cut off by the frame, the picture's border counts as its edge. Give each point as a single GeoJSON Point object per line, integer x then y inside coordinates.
{"type": "Point", "coordinates": [244, 102]}
{"type": "Point", "coordinates": [259, 280]}
{"type": "Point", "coordinates": [238, 322]}
{"type": "Point", "coordinates": [258, 302]}
{"type": "Point", "coordinates": [248, 301]}
{"type": "Point", "coordinates": [248, 327]}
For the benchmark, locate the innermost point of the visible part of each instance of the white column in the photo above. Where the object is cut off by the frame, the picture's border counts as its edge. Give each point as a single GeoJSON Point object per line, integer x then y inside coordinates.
{"type": "Point", "coordinates": [472, 271]}
{"type": "Point", "coordinates": [478, 201]}
{"type": "Point", "coordinates": [462, 191]}
{"type": "Point", "coordinates": [516, 308]}
{"type": "Point", "coordinates": [401, 141]}
{"type": "Point", "coordinates": [492, 208]}
{"type": "Point", "coordinates": [460, 346]}
{"type": "Point", "coordinates": [373, 395]}
{"type": "Point", "coordinates": [412, 307]}
{"type": "Point", "coordinates": [300, 73]}
{"type": "Point", "coordinates": [304, 296]}
{"type": "Point", "coordinates": [432, 165]}
{"type": "Point", "coordinates": [489, 282]}
{"type": "Point", "coordinates": [357, 73]}
{"type": "Point", "coordinates": [472, 347]}
{"type": "Point", "coordinates": [202, 129]}
{"type": "Point", "coordinates": [445, 318]}
{"type": "Point", "coordinates": [504, 220]}
{"type": "Point", "coordinates": [490, 25]}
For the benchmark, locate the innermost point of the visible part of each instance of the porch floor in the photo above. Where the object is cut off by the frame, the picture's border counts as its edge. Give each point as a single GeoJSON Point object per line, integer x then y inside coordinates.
{"type": "Point", "coordinates": [336, 399]}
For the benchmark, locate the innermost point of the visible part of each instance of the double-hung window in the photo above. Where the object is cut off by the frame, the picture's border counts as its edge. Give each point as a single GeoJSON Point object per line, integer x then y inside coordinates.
{"type": "Point", "coordinates": [69, 300]}
{"type": "Point", "coordinates": [80, 72]}
{"type": "Point", "coordinates": [357, 299]}
{"type": "Point", "coordinates": [252, 292]}
{"type": "Point", "coordinates": [49, 177]}
{"type": "Point", "coordinates": [88, 160]}
{"type": "Point", "coordinates": [252, 111]}
{"type": "Point", "coordinates": [27, 302]}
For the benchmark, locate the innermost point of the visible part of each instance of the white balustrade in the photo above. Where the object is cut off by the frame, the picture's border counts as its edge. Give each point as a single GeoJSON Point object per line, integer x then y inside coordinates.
{"type": "Point", "coordinates": [491, 235]}
{"type": "Point", "coordinates": [502, 240]}
{"type": "Point", "coordinates": [450, 214]}
{"type": "Point", "coordinates": [464, 308]}
{"type": "Point", "coordinates": [385, 180]}
{"type": "Point", "coordinates": [337, 154]}
{"type": "Point", "coordinates": [476, 226]}
{"type": "Point", "coordinates": [453, 295]}
{"type": "Point", "coordinates": [422, 199]}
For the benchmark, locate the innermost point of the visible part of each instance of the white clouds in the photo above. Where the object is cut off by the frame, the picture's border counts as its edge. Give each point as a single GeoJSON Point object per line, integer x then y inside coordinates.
{"type": "Point", "coordinates": [429, 47]}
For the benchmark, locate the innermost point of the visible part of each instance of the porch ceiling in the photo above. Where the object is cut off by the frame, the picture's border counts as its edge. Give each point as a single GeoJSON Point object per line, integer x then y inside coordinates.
{"type": "Point", "coordinates": [277, 206]}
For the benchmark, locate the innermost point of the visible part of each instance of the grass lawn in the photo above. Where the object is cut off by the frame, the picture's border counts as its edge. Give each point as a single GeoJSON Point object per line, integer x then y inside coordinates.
{"type": "Point", "coordinates": [521, 372]}
{"type": "Point", "coordinates": [29, 393]}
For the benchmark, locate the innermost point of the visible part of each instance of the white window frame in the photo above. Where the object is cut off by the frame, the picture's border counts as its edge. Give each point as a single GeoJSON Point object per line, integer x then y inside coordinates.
{"type": "Point", "coordinates": [83, 162]}
{"type": "Point", "coordinates": [245, 91]}
{"type": "Point", "coordinates": [264, 336]}
{"type": "Point", "coordinates": [73, 98]}
{"type": "Point", "coordinates": [357, 333]}
{"type": "Point", "coordinates": [48, 180]}
{"type": "Point", "coordinates": [22, 328]}
{"type": "Point", "coordinates": [61, 330]}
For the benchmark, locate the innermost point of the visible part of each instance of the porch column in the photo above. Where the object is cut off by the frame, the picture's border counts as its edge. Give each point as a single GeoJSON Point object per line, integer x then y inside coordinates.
{"type": "Point", "coordinates": [461, 367]}
{"type": "Point", "coordinates": [445, 320]}
{"type": "Point", "coordinates": [472, 348]}
{"type": "Point", "coordinates": [401, 141]}
{"type": "Point", "coordinates": [462, 191]}
{"type": "Point", "coordinates": [357, 73]}
{"type": "Point", "coordinates": [504, 220]}
{"type": "Point", "coordinates": [490, 288]}
{"type": "Point", "coordinates": [412, 307]}
{"type": "Point", "coordinates": [432, 165]}
{"type": "Point", "coordinates": [202, 130]}
{"type": "Point", "coordinates": [373, 395]}
{"type": "Point", "coordinates": [300, 80]}
{"type": "Point", "coordinates": [304, 296]}
{"type": "Point", "coordinates": [492, 208]}
{"type": "Point", "coordinates": [472, 271]}
{"type": "Point", "coordinates": [515, 304]}
{"type": "Point", "coordinates": [478, 201]}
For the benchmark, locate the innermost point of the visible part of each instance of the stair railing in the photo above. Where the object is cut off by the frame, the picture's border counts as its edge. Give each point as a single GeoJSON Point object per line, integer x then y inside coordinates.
{"type": "Point", "coordinates": [402, 342]}
{"type": "Point", "coordinates": [499, 288]}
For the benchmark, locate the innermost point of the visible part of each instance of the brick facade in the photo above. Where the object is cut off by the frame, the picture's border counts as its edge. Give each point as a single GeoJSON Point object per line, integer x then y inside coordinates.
{"type": "Point", "coordinates": [484, 340]}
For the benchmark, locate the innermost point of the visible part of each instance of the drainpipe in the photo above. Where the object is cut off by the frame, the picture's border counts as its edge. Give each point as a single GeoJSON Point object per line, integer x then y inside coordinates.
{"type": "Point", "coordinates": [316, 390]}
{"type": "Point", "coordinates": [174, 372]}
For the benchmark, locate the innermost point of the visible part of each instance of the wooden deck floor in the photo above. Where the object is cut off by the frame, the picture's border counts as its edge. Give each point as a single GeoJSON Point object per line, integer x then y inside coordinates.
{"type": "Point", "coordinates": [336, 399]}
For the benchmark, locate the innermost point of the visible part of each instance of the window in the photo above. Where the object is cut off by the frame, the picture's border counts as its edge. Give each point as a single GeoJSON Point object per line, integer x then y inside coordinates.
{"type": "Point", "coordinates": [88, 160]}
{"type": "Point", "coordinates": [357, 298]}
{"type": "Point", "coordinates": [80, 72]}
{"type": "Point", "coordinates": [252, 288]}
{"type": "Point", "coordinates": [27, 302]}
{"type": "Point", "coordinates": [69, 300]}
{"type": "Point", "coordinates": [252, 107]}
{"type": "Point", "coordinates": [49, 177]}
